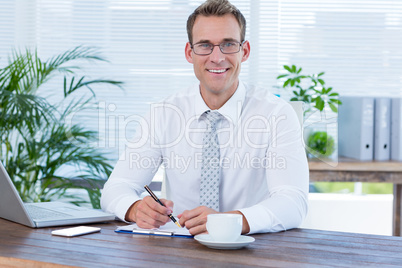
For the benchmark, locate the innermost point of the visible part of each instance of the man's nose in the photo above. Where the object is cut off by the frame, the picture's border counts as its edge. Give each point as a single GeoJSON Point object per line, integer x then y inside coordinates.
{"type": "Point", "coordinates": [217, 56]}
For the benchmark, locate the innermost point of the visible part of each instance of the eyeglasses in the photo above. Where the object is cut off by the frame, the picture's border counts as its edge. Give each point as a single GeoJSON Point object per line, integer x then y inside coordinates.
{"type": "Point", "coordinates": [204, 49]}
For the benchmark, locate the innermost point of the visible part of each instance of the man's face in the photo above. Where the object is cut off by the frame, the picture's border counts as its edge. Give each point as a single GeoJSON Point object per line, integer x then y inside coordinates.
{"type": "Point", "coordinates": [218, 73]}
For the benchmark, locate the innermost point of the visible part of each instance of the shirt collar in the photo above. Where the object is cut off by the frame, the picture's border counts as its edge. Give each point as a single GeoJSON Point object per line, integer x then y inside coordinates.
{"type": "Point", "coordinates": [231, 110]}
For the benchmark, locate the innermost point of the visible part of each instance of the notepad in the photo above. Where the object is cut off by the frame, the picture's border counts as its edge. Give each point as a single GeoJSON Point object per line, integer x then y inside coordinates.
{"type": "Point", "coordinates": [169, 229]}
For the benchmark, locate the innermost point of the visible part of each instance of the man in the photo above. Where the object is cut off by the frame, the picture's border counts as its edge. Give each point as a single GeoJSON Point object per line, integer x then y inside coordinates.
{"type": "Point", "coordinates": [256, 158]}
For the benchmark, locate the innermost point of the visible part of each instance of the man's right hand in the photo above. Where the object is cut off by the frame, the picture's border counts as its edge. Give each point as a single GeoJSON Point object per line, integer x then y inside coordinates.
{"type": "Point", "coordinates": [149, 214]}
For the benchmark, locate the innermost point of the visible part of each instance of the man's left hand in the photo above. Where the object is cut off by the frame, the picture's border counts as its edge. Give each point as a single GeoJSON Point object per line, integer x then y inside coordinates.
{"type": "Point", "coordinates": [195, 220]}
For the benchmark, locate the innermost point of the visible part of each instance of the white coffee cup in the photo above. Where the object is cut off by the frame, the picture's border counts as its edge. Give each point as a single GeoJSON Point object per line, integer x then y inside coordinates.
{"type": "Point", "coordinates": [224, 227]}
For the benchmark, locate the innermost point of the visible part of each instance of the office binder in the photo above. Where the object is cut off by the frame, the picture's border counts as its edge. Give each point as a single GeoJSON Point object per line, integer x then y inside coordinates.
{"type": "Point", "coordinates": [382, 129]}
{"type": "Point", "coordinates": [356, 127]}
{"type": "Point", "coordinates": [396, 129]}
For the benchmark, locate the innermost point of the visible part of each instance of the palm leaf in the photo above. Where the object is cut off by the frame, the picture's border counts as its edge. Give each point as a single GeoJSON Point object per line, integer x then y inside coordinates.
{"type": "Point", "coordinates": [36, 144]}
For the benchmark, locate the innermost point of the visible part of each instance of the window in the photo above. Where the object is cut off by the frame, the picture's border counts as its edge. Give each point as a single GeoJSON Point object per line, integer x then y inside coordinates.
{"type": "Point", "coordinates": [357, 43]}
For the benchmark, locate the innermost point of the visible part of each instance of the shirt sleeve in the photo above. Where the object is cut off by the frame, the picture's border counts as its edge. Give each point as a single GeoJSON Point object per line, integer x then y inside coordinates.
{"type": "Point", "coordinates": [287, 202]}
{"type": "Point", "coordinates": [135, 168]}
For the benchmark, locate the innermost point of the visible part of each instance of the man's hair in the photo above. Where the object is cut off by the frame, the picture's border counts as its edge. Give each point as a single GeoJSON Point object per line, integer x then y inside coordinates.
{"type": "Point", "coordinates": [216, 8]}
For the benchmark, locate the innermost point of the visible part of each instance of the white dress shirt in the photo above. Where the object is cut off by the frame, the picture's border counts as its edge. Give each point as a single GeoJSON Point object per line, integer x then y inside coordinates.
{"type": "Point", "coordinates": [264, 170]}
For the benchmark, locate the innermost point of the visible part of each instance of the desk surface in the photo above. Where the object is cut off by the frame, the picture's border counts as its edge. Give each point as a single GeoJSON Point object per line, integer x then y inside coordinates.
{"type": "Point", "coordinates": [25, 247]}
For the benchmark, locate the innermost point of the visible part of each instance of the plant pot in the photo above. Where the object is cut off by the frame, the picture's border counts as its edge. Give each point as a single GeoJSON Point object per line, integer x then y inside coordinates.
{"type": "Point", "coordinates": [320, 136]}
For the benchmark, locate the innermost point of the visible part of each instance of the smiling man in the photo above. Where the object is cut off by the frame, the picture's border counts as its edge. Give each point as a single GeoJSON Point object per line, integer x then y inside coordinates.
{"type": "Point", "coordinates": [227, 147]}
{"type": "Point", "coordinates": [217, 71]}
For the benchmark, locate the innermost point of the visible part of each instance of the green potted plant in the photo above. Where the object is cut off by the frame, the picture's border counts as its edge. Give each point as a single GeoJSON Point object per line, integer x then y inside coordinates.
{"type": "Point", "coordinates": [322, 143]}
{"type": "Point", "coordinates": [312, 90]}
{"type": "Point", "coordinates": [35, 138]}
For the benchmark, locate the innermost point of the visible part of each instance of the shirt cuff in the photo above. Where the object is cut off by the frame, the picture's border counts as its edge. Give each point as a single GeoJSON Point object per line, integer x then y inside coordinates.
{"type": "Point", "coordinates": [123, 205]}
{"type": "Point", "coordinates": [258, 218]}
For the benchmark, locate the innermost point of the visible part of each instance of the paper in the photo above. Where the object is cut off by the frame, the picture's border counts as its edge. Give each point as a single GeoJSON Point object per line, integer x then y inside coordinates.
{"type": "Point", "coordinates": [169, 229]}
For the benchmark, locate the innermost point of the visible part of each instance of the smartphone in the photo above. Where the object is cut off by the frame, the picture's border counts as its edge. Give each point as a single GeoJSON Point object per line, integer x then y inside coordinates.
{"type": "Point", "coordinates": [75, 231]}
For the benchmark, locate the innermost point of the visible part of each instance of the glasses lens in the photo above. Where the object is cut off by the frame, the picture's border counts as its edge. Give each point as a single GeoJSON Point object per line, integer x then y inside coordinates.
{"type": "Point", "coordinates": [202, 48]}
{"type": "Point", "coordinates": [225, 47]}
{"type": "Point", "coordinates": [230, 47]}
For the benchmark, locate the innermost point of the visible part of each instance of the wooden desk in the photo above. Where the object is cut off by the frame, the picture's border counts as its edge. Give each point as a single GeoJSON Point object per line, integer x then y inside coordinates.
{"type": "Point", "coordinates": [22, 246]}
{"type": "Point", "coordinates": [351, 171]}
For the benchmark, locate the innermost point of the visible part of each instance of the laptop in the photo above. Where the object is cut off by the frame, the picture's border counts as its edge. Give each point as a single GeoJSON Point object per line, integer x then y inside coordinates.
{"type": "Point", "coordinates": [46, 214]}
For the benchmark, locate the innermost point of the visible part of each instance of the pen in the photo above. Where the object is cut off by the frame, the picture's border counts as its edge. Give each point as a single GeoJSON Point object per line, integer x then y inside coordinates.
{"type": "Point", "coordinates": [157, 200]}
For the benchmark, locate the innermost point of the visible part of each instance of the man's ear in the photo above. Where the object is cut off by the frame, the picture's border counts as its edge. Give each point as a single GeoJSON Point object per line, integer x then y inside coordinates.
{"type": "Point", "coordinates": [188, 52]}
{"type": "Point", "coordinates": [246, 51]}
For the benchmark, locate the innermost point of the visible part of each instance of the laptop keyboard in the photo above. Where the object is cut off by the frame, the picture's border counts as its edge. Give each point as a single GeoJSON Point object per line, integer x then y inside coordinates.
{"type": "Point", "coordinates": [38, 213]}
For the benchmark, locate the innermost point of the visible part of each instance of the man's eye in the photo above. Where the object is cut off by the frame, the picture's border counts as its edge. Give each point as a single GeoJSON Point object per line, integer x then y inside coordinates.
{"type": "Point", "coordinates": [206, 45]}
{"type": "Point", "coordinates": [229, 44]}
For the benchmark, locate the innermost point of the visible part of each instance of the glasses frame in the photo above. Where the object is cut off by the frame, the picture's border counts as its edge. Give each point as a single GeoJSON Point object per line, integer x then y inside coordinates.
{"type": "Point", "coordinates": [219, 45]}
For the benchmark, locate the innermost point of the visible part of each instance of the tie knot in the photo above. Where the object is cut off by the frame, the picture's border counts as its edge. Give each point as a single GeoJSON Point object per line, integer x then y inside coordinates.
{"type": "Point", "coordinates": [213, 117]}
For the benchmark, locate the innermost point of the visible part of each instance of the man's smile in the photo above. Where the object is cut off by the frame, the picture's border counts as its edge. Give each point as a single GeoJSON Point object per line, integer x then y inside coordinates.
{"type": "Point", "coordinates": [217, 71]}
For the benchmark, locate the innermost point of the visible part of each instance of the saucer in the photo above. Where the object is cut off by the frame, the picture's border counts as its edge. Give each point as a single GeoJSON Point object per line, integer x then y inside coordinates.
{"type": "Point", "coordinates": [207, 240]}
